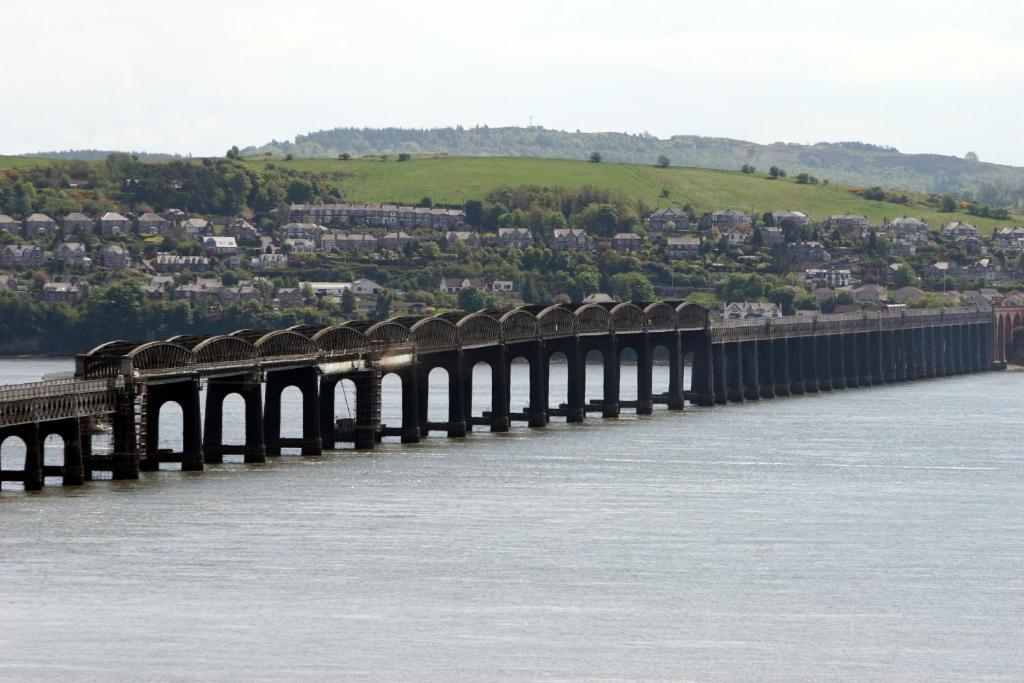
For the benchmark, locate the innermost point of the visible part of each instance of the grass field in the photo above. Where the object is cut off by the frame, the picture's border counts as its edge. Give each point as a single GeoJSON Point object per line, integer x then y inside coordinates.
{"type": "Point", "coordinates": [452, 180]}
{"type": "Point", "coordinates": [23, 162]}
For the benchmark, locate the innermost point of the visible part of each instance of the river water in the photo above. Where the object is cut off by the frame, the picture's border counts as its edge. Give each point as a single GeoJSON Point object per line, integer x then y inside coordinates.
{"type": "Point", "coordinates": [870, 534]}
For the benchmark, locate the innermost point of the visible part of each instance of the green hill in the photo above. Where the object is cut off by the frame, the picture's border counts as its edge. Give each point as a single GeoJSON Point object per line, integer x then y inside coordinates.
{"type": "Point", "coordinates": [449, 180]}
{"type": "Point", "coordinates": [852, 163]}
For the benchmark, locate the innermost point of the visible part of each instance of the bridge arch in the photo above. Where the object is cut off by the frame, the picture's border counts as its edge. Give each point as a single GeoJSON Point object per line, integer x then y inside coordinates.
{"type": "Point", "coordinates": [556, 321]}
{"type": "Point", "coordinates": [519, 325]}
{"type": "Point", "coordinates": [627, 317]}
{"type": "Point", "coordinates": [691, 316]}
{"type": "Point", "coordinates": [591, 319]}
{"type": "Point", "coordinates": [478, 329]}
{"type": "Point", "coordinates": [340, 340]}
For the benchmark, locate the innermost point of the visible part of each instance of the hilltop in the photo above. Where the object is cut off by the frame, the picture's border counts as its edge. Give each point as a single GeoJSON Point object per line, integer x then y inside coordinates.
{"type": "Point", "coordinates": [851, 163]}
{"type": "Point", "coordinates": [452, 181]}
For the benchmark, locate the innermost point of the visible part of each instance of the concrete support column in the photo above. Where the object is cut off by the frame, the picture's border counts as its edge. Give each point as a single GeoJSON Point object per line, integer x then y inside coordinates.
{"type": "Point", "coordinates": [851, 360]}
{"type": "Point", "coordinates": [33, 471]}
{"type": "Point", "coordinates": [780, 366]}
{"type": "Point", "coordinates": [876, 357]}
{"type": "Point", "coordinates": [751, 372]}
{"type": "Point", "coordinates": [956, 350]}
{"type": "Point", "coordinates": [734, 372]}
{"type": "Point", "coordinates": [305, 380]}
{"type": "Point", "coordinates": [928, 344]}
{"type": "Point", "coordinates": [74, 471]}
{"type": "Point", "coordinates": [719, 373]}
{"type": "Point", "coordinates": [863, 343]}
{"type": "Point", "coordinates": [85, 430]}
{"type": "Point", "coordinates": [765, 368]}
{"type": "Point", "coordinates": [644, 376]}
{"type": "Point", "coordinates": [795, 364]}
{"type": "Point", "coordinates": [985, 333]}
{"type": "Point", "coordinates": [367, 422]}
{"type": "Point", "coordinates": [941, 349]}
{"type": "Point", "coordinates": [701, 377]}
{"type": "Point", "coordinates": [500, 421]}
{"type": "Point", "coordinates": [411, 405]}
{"type": "Point", "coordinates": [910, 342]}
{"type": "Point", "coordinates": [328, 414]}
{"type": "Point", "coordinates": [456, 398]}
{"type": "Point", "coordinates": [125, 456]}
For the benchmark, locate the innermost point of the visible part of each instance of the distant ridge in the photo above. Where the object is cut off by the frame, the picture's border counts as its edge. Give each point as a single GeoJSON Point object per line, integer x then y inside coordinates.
{"type": "Point", "coordinates": [99, 155]}
{"type": "Point", "coordinates": [853, 163]}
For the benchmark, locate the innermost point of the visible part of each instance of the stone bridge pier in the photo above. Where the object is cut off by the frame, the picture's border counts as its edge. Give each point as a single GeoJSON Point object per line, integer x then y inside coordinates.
{"type": "Point", "coordinates": [186, 394]}
{"type": "Point", "coordinates": [250, 388]}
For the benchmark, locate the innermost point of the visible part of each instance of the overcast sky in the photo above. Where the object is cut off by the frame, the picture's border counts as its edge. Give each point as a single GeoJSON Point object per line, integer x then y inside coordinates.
{"type": "Point", "coordinates": [199, 76]}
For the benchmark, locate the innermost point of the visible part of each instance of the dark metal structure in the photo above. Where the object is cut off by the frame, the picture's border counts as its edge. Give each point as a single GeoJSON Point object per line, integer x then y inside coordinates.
{"type": "Point", "coordinates": [125, 384]}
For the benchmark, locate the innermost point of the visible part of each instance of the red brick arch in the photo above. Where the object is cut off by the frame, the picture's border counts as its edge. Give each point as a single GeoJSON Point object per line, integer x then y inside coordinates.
{"type": "Point", "coordinates": [1006, 321]}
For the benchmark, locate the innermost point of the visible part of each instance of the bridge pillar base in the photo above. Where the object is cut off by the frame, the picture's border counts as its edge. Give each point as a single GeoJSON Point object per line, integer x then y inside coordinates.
{"type": "Point", "coordinates": [456, 430]}
{"type": "Point", "coordinates": [365, 438]}
{"type": "Point", "coordinates": [125, 466]}
{"type": "Point", "coordinates": [644, 407]}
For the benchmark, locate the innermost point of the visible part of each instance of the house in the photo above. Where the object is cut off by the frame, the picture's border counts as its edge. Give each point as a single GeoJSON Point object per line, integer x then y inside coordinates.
{"type": "Point", "coordinates": [387, 216]}
{"type": "Point", "coordinates": [1007, 237]}
{"type": "Point", "coordinates": [112, 223]}
{"type": "Point", "coordinates": [77, 222]}
{"type": "Point", "coordinates": [115, 257]}
{"type": "Point", "coordinates": [985, 269]}
{"type": "Point", "coordinates": [790, 220]}
{"type": "Point", "coordinates": [939, 270]}
{"type": "Point", "coordinates": [303, 231]}
{"type": "Point", "coordinates": [907, 294]}
{"type": "Point", "coordinates": [520, 238]}
{"type": "Point", "coordinates": [220, 246]}
{"type": "Point", "coordinates": [159, 286]}
{"type": "Point", "coordinates": [166, 262]}
{"type": "Point", "coordinates": [39, 225]}
{"type": "Point", "coordinates": [598, 298]}
{"type": "Point", "coordinates": [240, 293]}
{"type": "Point", "coordinates": [71, 254]}
{"type": "Point", "coordinates": [394, 241]}
{"type": "Point", "coordinates": [771, 235]}
{"type": "Point", "coordinates": [21, 256]}
{"type": "Point", "coordinates": [627, 242]}
{"type": "Point", "coordinates": [823, 295]}
{"type": "Point", "coordinates": [300, 246]}
{"type": "Point", "coordinates": [737, 237]}
{"type": "Point", "coordinates": [959, 229]}
{"type": "Point", "coordinates": [241, 229]}
{"type": "Point", "coordinates": [199, 292]}
{"type": "Point", "coordinates": [808, 252]}
{"type": "Point", "coordinates": [61, 292]}
{"type": "Point", "coordinates": [153, 224]}
{"type": "Point", "coordinates": [682, 247]}
{"type": "Point", "coordinates": [197, 227]}
{"type": "Point", "coordinates": [503, 286]}
{"type": "Point", "coordinates": [969, 244]}
{"type": "Point", "coordinates": [356, 241]}
{"type": "Point", "coordinates": [869, 294]}
{"type": "Point", "coordinates": [848, 225]}
{"type": "Point", "coordinates": [570, 239]}
{"type": "Point", "coordinates": [911, 230]}
{"type": "Point", "coordinates": [265, 261]}
{"type": "Point", "coordinates": [454, 285]}
{"type": "Point", "coordinates": [365, 287]}
{"type": "Point", "coordinates": [327, 289]}
{"type": "Point", "coordinates": [174, 216]}
{"type": "Point", "coordinates": [748, 309]}
{"type": "Point", "coordinates": [726, 220]}
{"type": "Point", "coordinates": [831, 277]}
{"type": "Point", "coordinates": [668, 220]}
{"type": "Point", "coordinates": [465, 236]}
{"type": "Point", "coordinates": [290, 297]}
{"type": "Point", "coordinates": [9, 224]}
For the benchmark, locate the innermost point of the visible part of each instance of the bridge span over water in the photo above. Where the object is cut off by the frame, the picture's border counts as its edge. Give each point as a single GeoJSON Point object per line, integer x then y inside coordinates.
{"type": "Point", "coordinates": [124, 384]}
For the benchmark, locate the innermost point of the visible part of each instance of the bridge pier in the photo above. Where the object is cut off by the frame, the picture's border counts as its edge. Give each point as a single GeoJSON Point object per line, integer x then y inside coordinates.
{"type": "Point", "coordinates": [837, 365]}
{"type": "Point", "coordinates": [610, 395]}
{"type": "Point", "coordinates": [750, 371]}
{"type": "Point", "coordinates": [250, 389]}
{"type": "Point", "coordinates": [31, 473]}
{"type": "Point", "coordinates": [851, 362]}
{"type": "Point", "coordinates": [703, 374]}
{"type": "Point", "coordinates": [795, 365]}
{"type": "Point", "coordinates": [780, 366]}
{"type": "Point", "coordinates": [765, 368]}
{"type": "Point", "coordinates": [823, 352]}
{"type": "Point", "coordinates": [71, 470]}
{"type": "Point", "coordinates": [644, 374]}
{"type": "Point", "coordinates": [305, 380]}
{"type": "Point", "coordinates": [734, 372]}
{"type": "Point", "coordinates": [574, 409]}
{"type": "Point", "coordinates": [497, 418]}
{"type": "Point", "coordinates": [186, 395]}
{"type": "Point", "coordinates": [719, 373]}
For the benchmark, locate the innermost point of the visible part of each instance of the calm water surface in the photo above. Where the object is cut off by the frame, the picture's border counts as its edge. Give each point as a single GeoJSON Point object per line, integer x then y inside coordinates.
{"type": "Point", "coordinates": [873, 534]}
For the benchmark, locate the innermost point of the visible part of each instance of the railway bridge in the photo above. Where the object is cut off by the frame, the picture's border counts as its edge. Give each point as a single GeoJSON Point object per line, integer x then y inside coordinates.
{"type": "Point", "coordinates": [124, 384]}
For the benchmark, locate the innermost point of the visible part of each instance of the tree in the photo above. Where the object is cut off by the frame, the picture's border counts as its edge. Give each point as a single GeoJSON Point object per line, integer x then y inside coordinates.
{"type": "Point", "coordinates": [902, 277]}
{"type": "Point", "coordinates": [234, 153]}
{"type": "Point", "coordinates": [348, 303]}
{"type": "Point", "coordinates": [289, 156]}
{"type": "Point", "coordinates": [344, 156]}
{"type": "Point", "coordinates": [747, 168]}
{"type": "Point", "coordinates": [948, 204]}
{"type": "Point", "coordinates": [774, 172]}
{"type": "Point", "coordinates": [663, 161]}
{"type": "Point", "coordinates": [971, 156]}
{"type": "Point", "coordinates": [404, 156]}
{"type": "Point", "coordinates": [307, 291]}
{"type": "Point", "coordinates": [474, 209]}
{"type": "Point", "coordinates": [632, 287]}
{"type": "Point", "coordinates": [872, 242]}
{"type": "Point", "coordinates": [470, 299]}
{"type": "Point", "coordinates": [426, 202]}
{"type": "Point", "coordinates": [382, 310]}
{"type": "Point", "coordinates": [595, 157]}
{"type": "Point", "coordinates": [756, 239]}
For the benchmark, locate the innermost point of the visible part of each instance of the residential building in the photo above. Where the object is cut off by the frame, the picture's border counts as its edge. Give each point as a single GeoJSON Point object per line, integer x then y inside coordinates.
{"type": "Point", "coordinates": [905, 295]}
{"type": "Point", "coordinates": [355, 241]}
{"type": "Point", "coordinates": [959, 229]}
{"type": "Point", "coordinates": [323, 289]}
{"type": "Point", "coordinates": [985, 269]}
{"type": "Point", "coordinates": [570, 239]}
{"type": "Point", "coordinates": [76, 223]}
{"type": "Point", "coordinates": [159, 286]}
{"type": "Point", "coordinates": [627, 242]}
{"type": "Point", "coordinates": [682, 247]}
{"type": "Point", "coordinates": [911, 230]}
{"type": "Point", "coordinates": [199, 292]}
{"type": "Point", "coordinates": [61, 292]}
{"type": "Point", "coordinates": [503, 286]}
{"type": "Point", "coordinates": [1007, 237]}
{"type": "Point", "coordinates": [726, 220]}
{"type": "Point", "coordinates": [808, 252]}
{"type": "Point", "coordinates": [364, 287]}
{"type": "Point", "coordinates": [827, 277]}
{"type": "Point", "coordinates": [9, 224]}
{"type": "Point", "coordinates": [39, 225]}
{"type": "Point", "coordinates": [174, 216]}
{"type": "Point", "coordinates": [303, 231]}
{"type": "Point", "coordinates": [454, 285]}
{"type": "Point", "coordinates": [790, 220]}
{"type": "Point", "coordinates": [869, 294]}
{"type": "Point", "coordinates": [598, 298]}
{"type": "Point", "coordinates": [970, 244]}
{"type": "Point", "coordinates": [520, 238]}
{"type": "Point", "coordinates": [394, 241]}
{"type": "Point", "coordinates": [737, 237]}
{"type": "Point", "coordinates": [115, 257]}
{"type": "Point", "coordinates": [240, 293]}
{"type": "Point", "coordinates": [267, 261]}
{"type": "Point", "coordinates": [751, 309]}
{"type": "Point", "coordinates": [21, 256]}
{"type": "Point", "coordinates": [668, 220]}
{"type": "Point", "coordinates": [467, 237]}
{"type": "Point", "coordinates": [387, 216]}
{"type": "Point", "coordinates": [166, 262]}
{"type": "Point", "coordinates": [301, 246]}
{"type": "Point", "coordinates": [848, 225]}
{"type": "Point", "coordinates": [71, 254]}
{"type": "Point", "coordinates": [196, 227]}
{"type": "Point", "coordinates": [241, 229]}
{"type": "Point", "coordinates": [771, 235]}
{"type": "Point", "coordinates": [290, 297]}
{"type": "Point", "coordinates": [939, 270]}
{"type": "Point", "coordinates": [153, 224]}
{"type": "Point", "coordinates": [113, 223]}
{"type": "Point", "coordinates": [220, 246]}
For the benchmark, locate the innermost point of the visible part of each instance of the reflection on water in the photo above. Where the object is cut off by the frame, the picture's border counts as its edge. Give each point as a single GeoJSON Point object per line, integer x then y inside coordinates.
{"type": "Point", "coordinates": [870, 534]}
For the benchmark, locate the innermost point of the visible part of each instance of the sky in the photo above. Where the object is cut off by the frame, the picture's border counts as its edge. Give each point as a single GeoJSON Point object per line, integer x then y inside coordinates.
{"type": "Point", "coordinates": [197, 77]}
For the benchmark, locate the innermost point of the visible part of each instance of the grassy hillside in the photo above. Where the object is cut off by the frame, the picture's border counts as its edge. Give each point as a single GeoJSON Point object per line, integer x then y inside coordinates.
{"type": "Point", "coordinates": [452, 180]}
{"type": "Point", "coordinates": [22, 162]}
{"type": "Point", "coordinates": [841, 162]}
